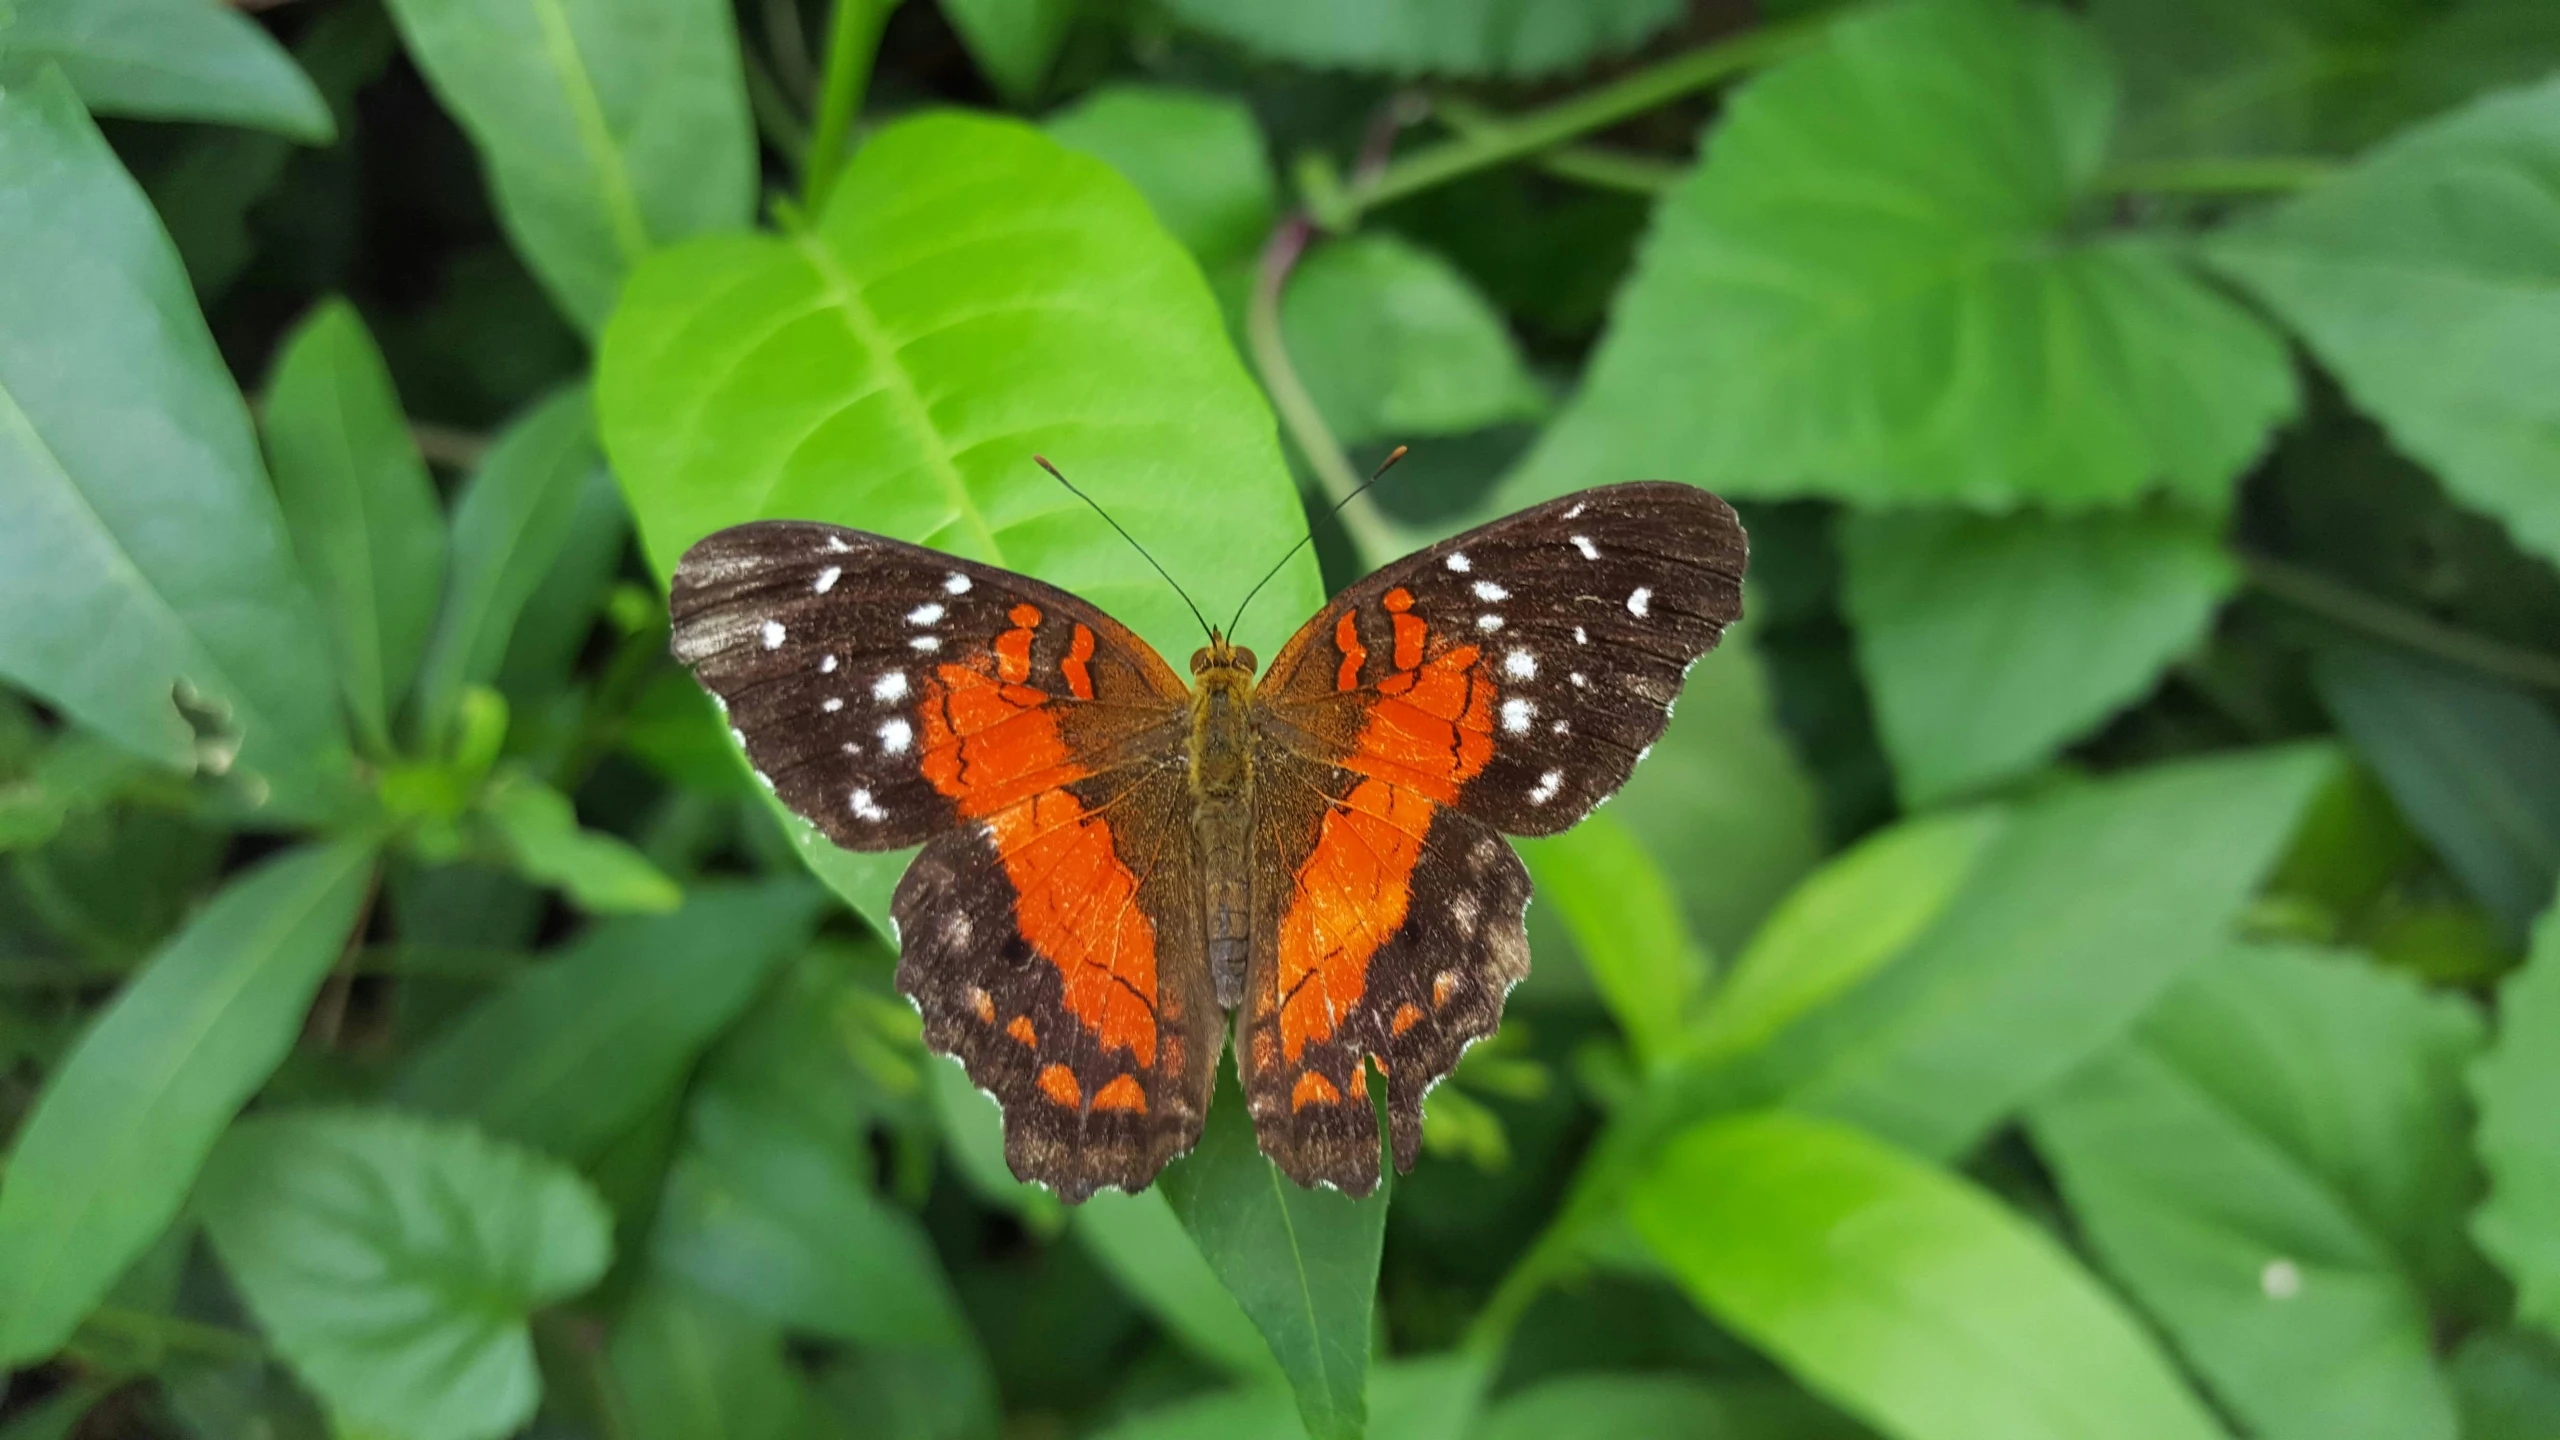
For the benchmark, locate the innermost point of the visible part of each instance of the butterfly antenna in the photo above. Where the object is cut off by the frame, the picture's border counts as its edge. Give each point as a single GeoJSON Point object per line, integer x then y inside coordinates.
{"type": "Point", "coordinates": [1043, 462]}
{"type": "Point", "coordinates": [1304, 540]}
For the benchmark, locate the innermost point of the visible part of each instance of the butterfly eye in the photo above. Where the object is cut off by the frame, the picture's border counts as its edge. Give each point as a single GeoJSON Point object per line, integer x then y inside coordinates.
{"type": "Point", "coordinates": [1199, 659]}
{"type": "Point", "coordinates": [1245, 658]}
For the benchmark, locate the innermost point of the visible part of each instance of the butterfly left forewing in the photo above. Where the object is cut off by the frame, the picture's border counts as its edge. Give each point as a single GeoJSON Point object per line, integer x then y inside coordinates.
{"type": "Point", "coordinates": [1507, 679]}
{"type": "Point", "coordinates": [1049, 929]}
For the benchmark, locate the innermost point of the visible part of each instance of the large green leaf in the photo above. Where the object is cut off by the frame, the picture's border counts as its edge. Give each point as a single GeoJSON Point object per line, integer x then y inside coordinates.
{"type": "Point", "coordinates": [2473, 764]}
{"type": "Point", "coordinates": [2428, 280]}
{"type": "Point", "coordinates": [510, 525]}
{"type": "Point", "coordinates": [2520, 1131]}
{"type": "Point", "coordinates": [1303, 1263]}
{"type": "Point", "coordinates": [360, 508]}
{"type": "Point", "coordinates": [973, 294]}
{"type": "Point", "coordinates": [2509, 1384]}
{"type": "Point", "coordinates": [2072, 920]}
{"type": "Point", "coordinates": [573, 1051]}
{"type": "Point", "coordinates": [1903, 1294]}
{"type": "Point", "coordinates": [115, 1138]}
{"type": "Point", "coordinates": [693, 1367]}
{"type": "Point", "coordinates": [393, 1261]}
{"type": "Point", "coordinates": [773, 1217]}
{"type": "Point", "coordinates": [1426, 1399]}
{"type": "Point", "coordinates": [1872, 287]}
{"type": "Point", "coordinates": [1627, 924]}
{"type": "Point", "coordinates": [1454, 37]}
{"type": "Point", "coordinates": [141, 550]}
{"type": "Point", "coordinates": [2290, 77]}
{"type": "Point", "coordinates": [2274, 1164]}
{"type": "Point", "coordinates": [1989, 642]}
{"type": "Point", "coordinates": [1198, 158]}
{"type": "Point", "coordinates": [163, 60]}
{"type": "Point", "coordinates": [1396, 344]}
{"type": "Point", "coordinates": [608, 127]}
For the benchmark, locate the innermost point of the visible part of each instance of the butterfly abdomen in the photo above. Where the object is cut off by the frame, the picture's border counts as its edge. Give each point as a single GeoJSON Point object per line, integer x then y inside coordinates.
{"type": "Point", "coordinates": [1221, 761]}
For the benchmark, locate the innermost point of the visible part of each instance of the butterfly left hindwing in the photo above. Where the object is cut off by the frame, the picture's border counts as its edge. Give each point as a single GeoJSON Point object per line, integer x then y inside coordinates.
{"type": "Point", "coordinates": [1048, 934]}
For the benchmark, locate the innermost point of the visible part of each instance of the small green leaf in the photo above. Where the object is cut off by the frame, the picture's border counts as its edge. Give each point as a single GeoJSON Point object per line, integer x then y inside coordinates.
{"type": "Point", "coordinates": [164, 60]}
{"type": "Point", "coordinates": [693, 1367]}
{"type": "Point", "coordinates": [2273, 1163]}
{"type": "Point", "coordinates": [1874, 287]}
{"type": "Point", "coordinates": [1303, 1263]}
{"type": "Point", "coordinates": [1452, 37]}
{"type": "Point", "coordinates": [1200, 160]}
{"type": "Point", "coordinates": [603, 874]}
{"type": "Point", "coordinates": [141, 552]}
{"type": "Point", "coordinates": [1990, 642]}
{"type": "Point", "coordinates": [575, 1050]}
{"type": "Point", "coordinates": [608, 127]}
{"type": "Point", "coordinates": [1628, 927]}
{"type": "Point", "coordinates": [1138, 1239]}
{"type": "Point", "coordinates": [773, 1218]}
{"type": "Point", "coordinates": [1396, 344]}
{"type": "Point", "coordinates": [509, 527]}
{"type": "Point", "coordinates": [2084, 907]}
{"type": "Point", "coordinates": [1013, 41]}
{"type": "Point", "coordinates": [2474, 765]}
{"type": "Point", "coordinates": [393, 1262]}
{"type": "Point", "coordinates": [2519, 1143]}
{"type": "Point", "coordinates": [2428, 280]}
{"type": "Point", "coordinates": [1845, 922]}
{"type": "Point", "coordinates": [1900, 1292]}
{"type": "Point", "coordinates": [359, 506]}
{"type": "Point", "coordinates": [105, 1158]}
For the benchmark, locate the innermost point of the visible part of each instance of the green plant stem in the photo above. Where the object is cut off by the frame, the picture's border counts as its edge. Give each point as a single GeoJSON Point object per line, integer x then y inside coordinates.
{"type": "Point", "coordinates": [1586, 164]}
{"type": "Point", "coordinates": [853, 38]}
{"type": "Point", "coordinates": [2215, 175]}
{"type": "Point", "coordinates": [2344, 605]}
{"type": "Point", "coordinates": [776, 118]}
{"type": "Point", "coordinates": [1540, 130]}
{"type": "Point", "coordinates": [1299, 416]}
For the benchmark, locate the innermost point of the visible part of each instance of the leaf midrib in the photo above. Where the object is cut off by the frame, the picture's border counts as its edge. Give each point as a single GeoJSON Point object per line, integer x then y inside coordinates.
{"type": "Point", "coordinates": [595, 133]}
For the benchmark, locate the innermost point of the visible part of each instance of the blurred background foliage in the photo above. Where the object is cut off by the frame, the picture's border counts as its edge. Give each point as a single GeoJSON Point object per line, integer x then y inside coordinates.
{"type": "Point", "coordinates": [2075, 969]}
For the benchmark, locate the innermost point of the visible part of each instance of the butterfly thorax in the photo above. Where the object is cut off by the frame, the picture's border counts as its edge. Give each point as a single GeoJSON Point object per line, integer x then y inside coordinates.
{"type": "Point", "coordinates": [1221, 769]}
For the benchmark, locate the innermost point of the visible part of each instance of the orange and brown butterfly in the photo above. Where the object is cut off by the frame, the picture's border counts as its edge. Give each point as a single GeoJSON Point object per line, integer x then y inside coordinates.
{"type": "Point", "coordinates": [1116, 858]}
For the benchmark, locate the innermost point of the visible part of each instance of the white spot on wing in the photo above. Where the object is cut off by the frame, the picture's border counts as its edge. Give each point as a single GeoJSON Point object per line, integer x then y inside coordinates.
{"type": "Point", "coordinates": [827, 666]}
{"type": "Point", "coordinates": [924, 614]}
{"type": "Point", "coordinates": [926, 643]}
{"type": "Point", "coordinates": [955, 583]}
{"type": "Point", "coordinates": [831, 705]}
{"type": "Point", "coordinates": [1640, 601]}
{"type": "Point", "coordinates": [1583, 544]}
{"type": "Point", "coordinates": [837, 547]}
{"type": "Point", "coordinates": [1581, 636]}
{"type": "Point", "coordinates": [1459, 564]}
{"type": "Point", "coordinates": [1546, 788]}
{"type": "Point", "coordinates": [956, 929]}
{"type": "Point", "coordinates": [1462, 909]}
{"type": "Point", "coordinates": [1487, 590]}
{"type": "Point", "coordinates": [1580, 680]}
{"type": "Point", "coordinates": [896, 736]}
{"type": "Point", "coordinates": [1516, 715]}
{"type": "Point", "coordinates": [1520, 665]}
{"type": "Point", "coordinates": [1488, 623]}
{"type": "Point", "coordinates": [850, 748]}
{"type": "Point", "coordinates": [827, 578]}
{"type": "Point", "coordinates": [772, 634]}
{"type": "Point", "coordinates": [865, 807]}
{"type": "Point", "coordinates": [889, 687]}
{"type": "Point", "coordinates": [1576, 510]}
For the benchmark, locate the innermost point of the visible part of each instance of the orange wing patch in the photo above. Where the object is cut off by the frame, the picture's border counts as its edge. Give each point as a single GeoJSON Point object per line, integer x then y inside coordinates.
{"type": "Point", "coordinates": [1021, 1030]}
{"type": "Point", "coordinates": [1121, 1094]}
{"type": "Point", "coordinates": [1313, 1089]}
{"type": "Point", "coordinates": [1346, 638]}
{"type": "Point", "coordinates": [994, 747]}
{"type": "Point", "coordinates": [1074, 667]}
{"type": "Point", "coordinates": [1059, 1084]}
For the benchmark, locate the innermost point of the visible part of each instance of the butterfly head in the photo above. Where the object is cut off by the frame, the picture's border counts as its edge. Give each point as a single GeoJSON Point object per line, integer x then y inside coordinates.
{"type": "Point", "coordinates": [1219, 656]}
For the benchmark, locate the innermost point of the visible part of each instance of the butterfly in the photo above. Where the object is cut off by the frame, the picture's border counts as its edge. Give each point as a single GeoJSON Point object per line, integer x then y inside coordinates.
{"type": "Point", "coordinates": [1117, 858]}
